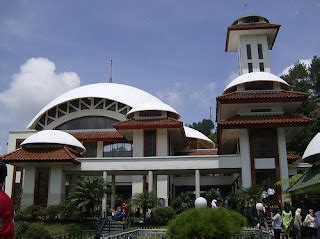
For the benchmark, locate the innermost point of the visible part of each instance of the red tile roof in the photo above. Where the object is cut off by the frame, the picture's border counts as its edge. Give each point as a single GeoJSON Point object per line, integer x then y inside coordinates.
{"type": "Point", "coordinates": [262, 97]}
{"type": "Point", "coordinates": [251, 26]}
{"type": "Point", "coordinates": [99, 136]}
{"type": "Point", "coordinates": [58, 154]}
{"type": "Point", "coordinates": [266, 121]}
{"type": "Point", "coordinates": [292, 158]}
{"type": "Point", "coordinates": [148, 124]}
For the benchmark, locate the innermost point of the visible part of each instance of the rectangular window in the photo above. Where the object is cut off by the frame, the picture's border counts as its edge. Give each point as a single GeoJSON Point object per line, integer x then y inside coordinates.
{"type": "Point", "coordinates": [260, 54]}
{"type": "Point", "coordinates": [117, 150]}
{"type": "Point", "coordinates": [261, 65]}
{"type": "Point", "coordinates": [250, 69]}
{"type": "Point", "coordinates": [249, 51]}
{"type": "Point", "coordinates": [150, 143]}
{"type": "Point", "coordinates": [262, 143]}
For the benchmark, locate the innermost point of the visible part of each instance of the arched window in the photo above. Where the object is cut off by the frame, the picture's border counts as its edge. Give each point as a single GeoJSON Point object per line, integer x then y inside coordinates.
{"type": "Point", "coordinates": [88, 122]}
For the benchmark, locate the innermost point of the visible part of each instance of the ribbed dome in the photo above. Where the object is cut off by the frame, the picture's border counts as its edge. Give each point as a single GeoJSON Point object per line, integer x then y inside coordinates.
{"type": "Point", "coordinates": [313, 148]}
{"type": "Point", "coordinates": [124, 94]}
{"type": "Point", "coordinates": [154, 106]}
{"type": "Point", "coordinates": [193, 133]}
{"type": "Point", "coordinates": [54, 137]}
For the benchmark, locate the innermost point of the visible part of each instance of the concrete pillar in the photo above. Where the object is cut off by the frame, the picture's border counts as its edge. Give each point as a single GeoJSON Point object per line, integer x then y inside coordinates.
{"type": "Point", "coordinates": [245, 158]}
{"type": "Point", "coordinates": [150, 181]}
{"type": "Point", "coordinates": [197, 182]}
{"type": "Point", "coordinates": [99, 149]}
{"type": "Point", "coordinates": [57, 184]}
{"type": "Point", "coordinates": [105, 196]}
{"type": "Point", "coordinates": [162, 188]}
{"type": "Point", "coordinates": [283, 161]}
{"type": "Point", "coordinates": [113, 191]}
{"type": "Point", "coordinates": [27, 198]}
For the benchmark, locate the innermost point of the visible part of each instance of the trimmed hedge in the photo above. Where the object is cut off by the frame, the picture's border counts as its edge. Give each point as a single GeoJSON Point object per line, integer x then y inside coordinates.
{"type": "Point", "coordinates": [205, 223]}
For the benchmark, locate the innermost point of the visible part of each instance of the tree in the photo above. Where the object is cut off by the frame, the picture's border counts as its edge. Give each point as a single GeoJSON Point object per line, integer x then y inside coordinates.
{"type": "Point", "coordinates": [87, 194]}
{"type": "Point", "coordinates": [182, 202]}
{"type": "Point", "coordinates": [305, 79]}
{"type": "Point", "coordinates": [145, 200]}
{"type": "Point", "coordinates": [205, 126]}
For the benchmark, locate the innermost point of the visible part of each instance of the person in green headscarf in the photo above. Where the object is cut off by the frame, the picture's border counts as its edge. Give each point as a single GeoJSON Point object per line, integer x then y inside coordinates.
{"type": "Point", "coordinates": [286, 221]}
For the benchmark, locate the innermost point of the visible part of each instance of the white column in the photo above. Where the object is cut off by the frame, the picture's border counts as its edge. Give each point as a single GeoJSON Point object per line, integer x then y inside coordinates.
{"type": "Point", "coordinates": [150, 181]}
{"type": "Point", "coordinates": [57, 185]}
{"type": "Point", "coordinates": [138, 151]}
{"type": "Point", "coordinates": [283, 161]}
{"type": "Point", "coordinates": [27, 198]}
{"type": "Point", "coordinates": [162, 187]}
{"type": "Point", "coordinates": [105, 196]}
{"type": "Point", "coordinates": [197, 183]}
{"type": "Point", "coordinates": [245, 158]}
{"type": "Point", "coordinates": [9, 180]}
{"type": "Point", "coordinates": [99, 149]}
{"type": "Point", "coordinates": [113, 191]}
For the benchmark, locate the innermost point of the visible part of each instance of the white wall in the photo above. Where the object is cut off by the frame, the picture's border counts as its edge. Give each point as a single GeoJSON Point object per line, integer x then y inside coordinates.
{"type": "Point", "coordinates": [27, 197]}
{"type": "Point", "coordinates": [56, 192]}
{"type": "Point", "coordinates": [253, 40]}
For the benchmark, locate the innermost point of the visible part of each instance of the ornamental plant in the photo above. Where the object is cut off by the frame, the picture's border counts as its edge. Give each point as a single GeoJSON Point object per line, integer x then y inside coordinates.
{"type": "Point", "coordinates": [206, 223]}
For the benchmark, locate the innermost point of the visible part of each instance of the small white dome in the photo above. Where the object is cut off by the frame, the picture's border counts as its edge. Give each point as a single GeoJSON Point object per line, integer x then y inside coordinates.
{"type": "Point", "coordinates": [313, 147]}
{"type": "Point", "coordinates": [193, 133]}
{"type": "Point", "coordinates": [156, 106]}
{"type": "Point", "coordinates": [255, 76]}
{"type": "Point", "coordinates": [54, 137]}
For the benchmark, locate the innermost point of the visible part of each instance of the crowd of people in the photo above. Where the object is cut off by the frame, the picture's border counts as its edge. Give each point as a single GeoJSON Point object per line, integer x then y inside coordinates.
{"type": "Point", "coordinates": [286, 222]}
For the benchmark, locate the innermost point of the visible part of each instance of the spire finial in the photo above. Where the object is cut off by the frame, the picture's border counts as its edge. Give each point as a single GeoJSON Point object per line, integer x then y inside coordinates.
{"type": "Point", "coordinates": [110, 77]}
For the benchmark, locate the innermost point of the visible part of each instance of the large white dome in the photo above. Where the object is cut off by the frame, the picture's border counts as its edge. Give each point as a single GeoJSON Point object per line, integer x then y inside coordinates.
{"type": "Point", "coordinates": [124, 94]}
{"type": "Point", "coordinates": [313, 147]}
{"type": "Point", "coordinates": [255, 76]}
{"type": "Point", "coordinates": [54, 137]}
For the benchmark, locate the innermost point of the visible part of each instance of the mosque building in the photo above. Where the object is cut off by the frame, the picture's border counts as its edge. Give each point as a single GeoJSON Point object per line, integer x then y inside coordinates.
{"type": "Point", "coordinates": [138, 143]}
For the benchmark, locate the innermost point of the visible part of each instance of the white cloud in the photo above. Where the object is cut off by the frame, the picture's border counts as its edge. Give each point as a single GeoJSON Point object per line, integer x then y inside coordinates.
{"type": "Point", "coordinates": [173, 97]}
{"type": "Point", "coordinates": [33, 87]}
{"type": "Point", "coordinates": [307, 62]}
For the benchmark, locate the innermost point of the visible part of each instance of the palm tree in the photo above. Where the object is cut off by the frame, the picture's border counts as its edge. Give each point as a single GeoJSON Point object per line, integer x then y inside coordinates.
{"type": "Point", "coordinates": [182, 202]}
{"type": "Point", "coordinates": [145, 200]}
{"type": "Point", "coordinates": [87, 194]}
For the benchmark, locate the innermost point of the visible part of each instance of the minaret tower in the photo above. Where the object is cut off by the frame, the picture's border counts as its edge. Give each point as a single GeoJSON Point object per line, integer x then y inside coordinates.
{"type": "Point", "coordinates": [252, 36]}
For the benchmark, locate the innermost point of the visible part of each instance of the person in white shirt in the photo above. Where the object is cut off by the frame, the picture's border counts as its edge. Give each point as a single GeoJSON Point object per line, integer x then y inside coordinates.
{"type": "Point", "coordinates": [276, 223]}
{"type": "Point", "coordinates": [271, 193]}
{"type": "Point", "coordinates": [214, 203]}
{"type": "Point", "coordinates": [312, 224]}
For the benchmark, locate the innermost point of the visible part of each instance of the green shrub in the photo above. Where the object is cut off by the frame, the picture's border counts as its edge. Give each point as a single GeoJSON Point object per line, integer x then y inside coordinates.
{"type": "Point", "coordinates": [182, 202]}
{"type": "Point", "coordinates": [73, 229]}
{"type": "Point", "coordinates": [32, 212]}
{"type": "Point", "coordinates": [36, 231]}
{"type": "Point", "coordinates": [20, 228]}
{"type": "Point", "coordinates": [206, 223]}
{"type": "Point", "coordinates": [53, 212]}
{"type": "Point", "coordinates": [163, 215]}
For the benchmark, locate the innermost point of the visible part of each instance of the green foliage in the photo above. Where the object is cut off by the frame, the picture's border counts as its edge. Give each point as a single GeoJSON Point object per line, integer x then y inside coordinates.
{"type": "Point", "coordinates": [306, 79]}
{"type": "Point", "coordinates": [182, 202]}
{"type": "Point", "coordinates": [163, 215]}
{"type": "Point", "coordinates": [73, 229]}
{"type": "Point", "coordinates": [53, 212]}
{"type": "Point", "coordinates": [20, 228]}
{"type": "Point", "coordinates": [145, 200]}
{"type": "Point", "coordinates": [36, 230]}
{"type": "Point", "coordinates": [212, 194]}
{"type": "Point", "coordinates": [205, 126]}
{"type": "Point", "coordinates": [206, 223]}
{"type": "Point", "coordinates": [32, 212]}
{"type": "Point", "coordinates": [245, 197]}
{"type": "Point", "coordinates": [86, 195]}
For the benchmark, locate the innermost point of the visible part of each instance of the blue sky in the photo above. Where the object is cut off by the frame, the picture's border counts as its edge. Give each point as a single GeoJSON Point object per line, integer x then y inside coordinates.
{"type": "Point", "coordinates": [172, 49]}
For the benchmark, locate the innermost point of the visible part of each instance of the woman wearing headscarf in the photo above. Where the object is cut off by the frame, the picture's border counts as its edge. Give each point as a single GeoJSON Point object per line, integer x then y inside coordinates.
{"type": "Point", "coordinates": [297, 224]}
